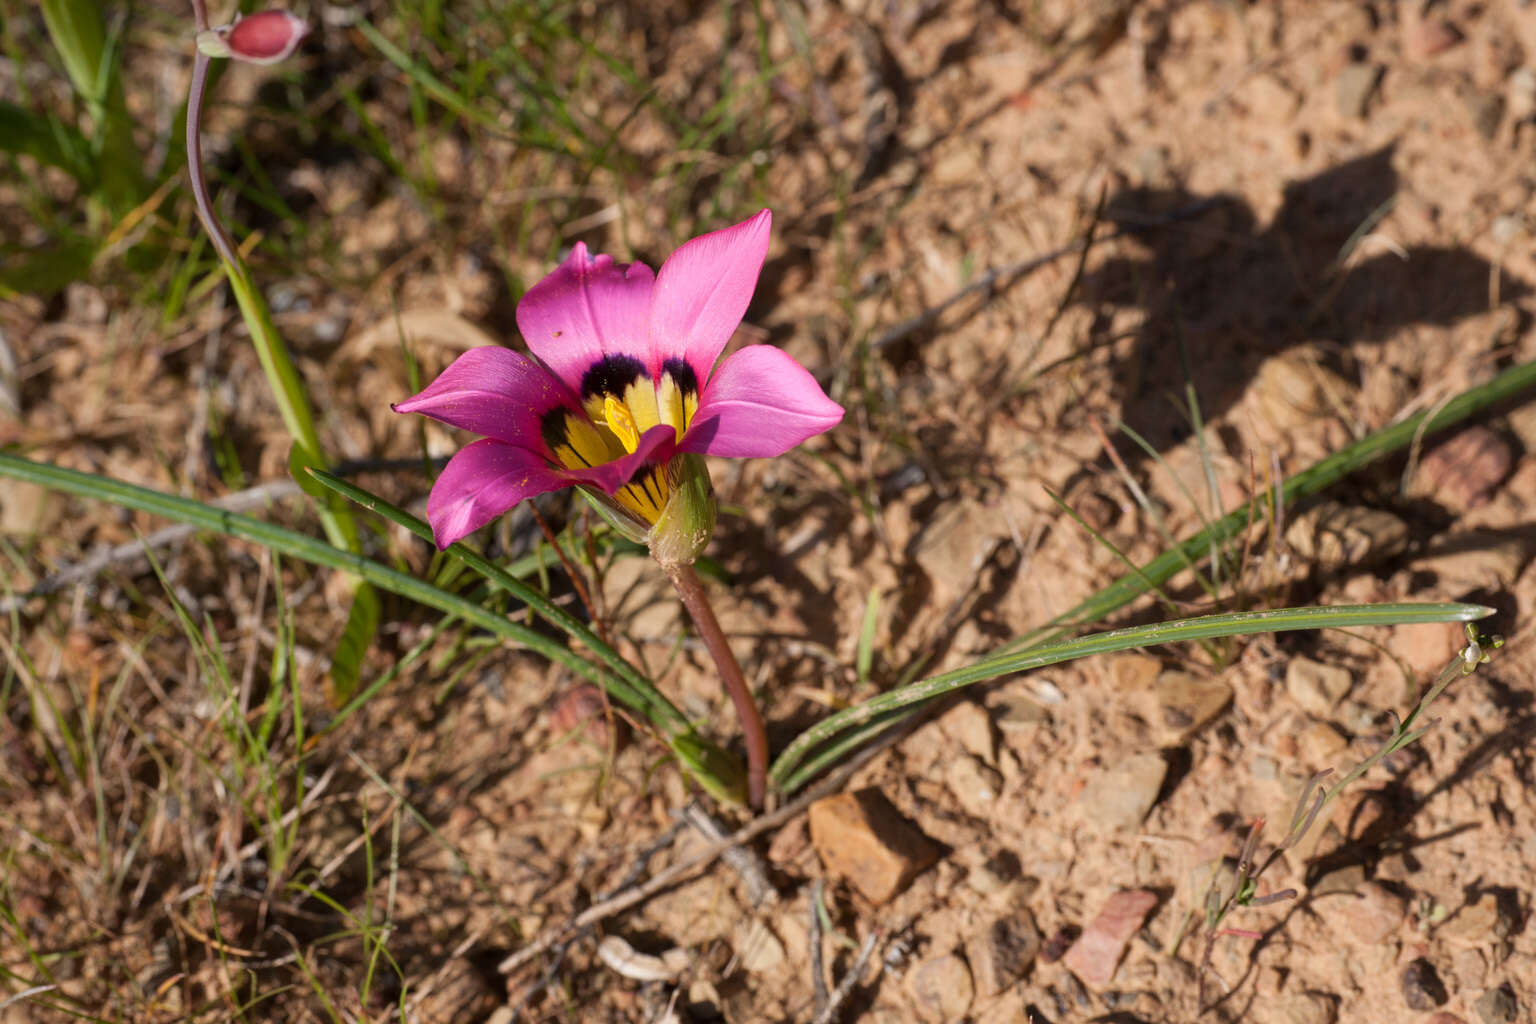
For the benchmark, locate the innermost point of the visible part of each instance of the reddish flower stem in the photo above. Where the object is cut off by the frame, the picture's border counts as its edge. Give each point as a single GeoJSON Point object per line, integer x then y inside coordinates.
{"type": "Point", "coordinates": [691, 590]}
{"type": "Point", "coordinates": [205, 212]}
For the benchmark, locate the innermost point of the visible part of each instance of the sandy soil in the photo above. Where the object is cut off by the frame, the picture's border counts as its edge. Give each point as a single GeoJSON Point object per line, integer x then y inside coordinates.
{"type": "Point", "coordinates": [1320, 216]}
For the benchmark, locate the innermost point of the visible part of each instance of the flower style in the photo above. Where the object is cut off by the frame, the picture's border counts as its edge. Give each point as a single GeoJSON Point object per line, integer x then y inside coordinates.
{"type": "Point", "coordinates": [622, 388]}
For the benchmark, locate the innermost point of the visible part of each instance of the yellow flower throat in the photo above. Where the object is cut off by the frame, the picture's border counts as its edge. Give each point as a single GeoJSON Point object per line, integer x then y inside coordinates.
{"type": "Point", "coordinates": [621, 403]}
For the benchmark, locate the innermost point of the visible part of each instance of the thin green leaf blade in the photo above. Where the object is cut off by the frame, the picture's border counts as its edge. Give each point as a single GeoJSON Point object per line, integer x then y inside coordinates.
{"type": "Point", "coordinates": [787, 773]}
{"type": "Point", "coordinates": [362, 626]}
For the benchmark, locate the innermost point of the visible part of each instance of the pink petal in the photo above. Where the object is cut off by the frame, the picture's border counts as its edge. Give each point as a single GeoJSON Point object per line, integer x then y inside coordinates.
{"type": "Point", "coordinates": [481, 482]}
{"type": "Point", "coordinates": [759, 403]}
{"type": "Point", "coordinates": [703, 290]}
{"type": "Point", "coordinates": [265, 38]}
{"type": "Point", "coordinates": [494, 392]}
{"type": "Point", "coordinates": [590, 307]}
{"type": "Point", "coordinates": [656, 446]}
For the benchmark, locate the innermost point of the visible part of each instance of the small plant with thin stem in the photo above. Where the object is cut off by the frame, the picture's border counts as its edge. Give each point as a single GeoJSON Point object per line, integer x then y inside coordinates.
{"type": "Point", "coordinates": [1241, 892]}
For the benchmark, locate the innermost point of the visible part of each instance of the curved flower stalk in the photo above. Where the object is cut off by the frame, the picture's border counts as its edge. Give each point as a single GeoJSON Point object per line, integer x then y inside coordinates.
{"type": "Point", "coordinates": [621, 398]}
{"type": "Point", "coordinates": [266, 38]}
{"type": "Point", "coordinates": [621, 389]}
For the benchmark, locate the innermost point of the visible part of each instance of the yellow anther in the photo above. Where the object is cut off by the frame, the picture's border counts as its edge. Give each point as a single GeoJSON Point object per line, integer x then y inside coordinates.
{"type": "Point", "coordinates": [616, 413]}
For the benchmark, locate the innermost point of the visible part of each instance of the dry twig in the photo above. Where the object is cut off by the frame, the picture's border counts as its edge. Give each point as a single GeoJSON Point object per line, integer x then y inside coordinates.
{"type": "Point", "coordinates": [845, 987]}
{"type": "Point", "coordinates": [741, 859]}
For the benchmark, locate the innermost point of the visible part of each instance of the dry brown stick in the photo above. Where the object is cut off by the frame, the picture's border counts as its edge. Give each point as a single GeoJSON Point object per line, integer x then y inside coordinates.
{"type": "Point", "coordinates": [845, 986]}
{"type": "Point", "coordinates": [819, 996]}
{"type": "Point", "coordinates": [685, 869]}
{"type": "Point", "coordinates": [741, 859]}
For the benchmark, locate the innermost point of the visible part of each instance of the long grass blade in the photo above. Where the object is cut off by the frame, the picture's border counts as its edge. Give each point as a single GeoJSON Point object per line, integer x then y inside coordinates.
{"type": "Point", "coordinates": [1304, 484]}
{"type": "Point", "coordinates": [317, 552]}
{"type": "Point", "coordinates": [786, 774]}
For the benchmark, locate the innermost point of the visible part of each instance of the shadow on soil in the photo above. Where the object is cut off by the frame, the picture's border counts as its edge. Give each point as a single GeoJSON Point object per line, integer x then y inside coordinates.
{"type": "Point", "coordinates": [1240, 292]}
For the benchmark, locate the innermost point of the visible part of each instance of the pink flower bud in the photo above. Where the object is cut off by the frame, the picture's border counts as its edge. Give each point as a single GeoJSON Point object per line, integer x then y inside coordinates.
{"type": "Point", "coordinates": [264, 38]}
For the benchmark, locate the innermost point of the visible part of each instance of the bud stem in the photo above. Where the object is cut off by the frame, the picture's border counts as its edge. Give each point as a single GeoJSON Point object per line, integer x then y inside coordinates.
{"type": "Point", "coordinates": [205, 212]}
{"type": "Point", "coordinates": [690, 589]}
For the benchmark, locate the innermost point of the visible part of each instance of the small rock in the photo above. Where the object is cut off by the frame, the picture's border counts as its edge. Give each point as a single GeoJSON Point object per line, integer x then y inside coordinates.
{"type": "Point", "coordinates": [1522, 94]}
{"type": "Point", "coordinates": [1422, 987]}
{"type": "Point", "coordinates": [1473, 559]}
{"type": "Point", "coordinates": [1309, 1008]}
{"type": "Point", "coordinates": [986, 880]}
{"type": "Point", "coordinates": [1373, 916]}
{"type": "Point", "coordinates": [696, 912]}
{"type": "Point", "coordinates": [87, 304]}
{"type": "Point", "coordinates": [1000, 954]}
{"type": "Point", "coordinates": [789, 842]}
{"type": "Point", "coordinates": [1445, 1018]}
{"type": "Point", "coordinates": [1319, 743]}
{"type": "Point", "coordinates": [1463, 471]}
{"type": "Point", "coordinates": [942, 988]}
{"type": "Point", "coordinates": [1095, 954]}
{"type": "Point", "coordinates": [1355, 85]}
{"type": "Point", "coordinates": [1018, 712]}
{"type": "Point", "coordinates": [1295, 389]}
{"type": "Point", "coordinates": [1332, 536]}
{"type": "Point", "coordinates": [969, 725]}
{"type": "Point", "coordinates": [1186, 703]}
{"type": "Point", "coordinates": [25, 508]}
{"type": "Point", "coordinates": [1479, 923]}
{"type": "Point", "coordinates": [1425, 37]}
{"type": "Point", "coordinates": [1487, 113]}
{"type": "Point", "coordinates": [865, 840]}
{"type": "Point", "coordinates": [1469, 968]}
{"type": "Point", "coordinates": [955, 544]}
{"type": "Point", "coordinates": [975, 786]}
{"type": "Point", "coordinates": [1498, 1005]}
{"type": "Point", "coordinates": [758, 950]}
{"type": "Point", "coordinates": [1119, 797]}
{"type": "Point", "coordinates": [1344, 880]}
{"type": "Point", "coordinates": [1429, 647]}
{"type": "Point", "coordinates": [1133, 673]}
{"type": "Point", "coordinates": [1057, 945]}
{"type": "Point", "coordinates": [1152, 167]}
{"type": "Point", "coordinates": [1316, 687]}
{"type": "Point", "coordinates": [1506, 228]}
{"type": "Point", "coordinates": [584, 707]}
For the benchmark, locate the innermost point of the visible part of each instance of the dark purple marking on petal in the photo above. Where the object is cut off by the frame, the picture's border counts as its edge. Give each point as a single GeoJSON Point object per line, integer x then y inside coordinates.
{"type": "Point", "coordinates": [611, 375]}
{"type": "Point", "coordinates": [682, 375]}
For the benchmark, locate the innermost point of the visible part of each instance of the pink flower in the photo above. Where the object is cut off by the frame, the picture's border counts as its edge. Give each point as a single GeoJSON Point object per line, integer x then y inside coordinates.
{"type": "Point", "coordinates": [622, 386]}
{"type": "Point", "coordinates": [263, 38]}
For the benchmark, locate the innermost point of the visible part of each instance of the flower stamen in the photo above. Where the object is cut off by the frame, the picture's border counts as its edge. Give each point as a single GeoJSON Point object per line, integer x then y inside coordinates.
{"type": "Point", "coordinates": [619, 419]}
